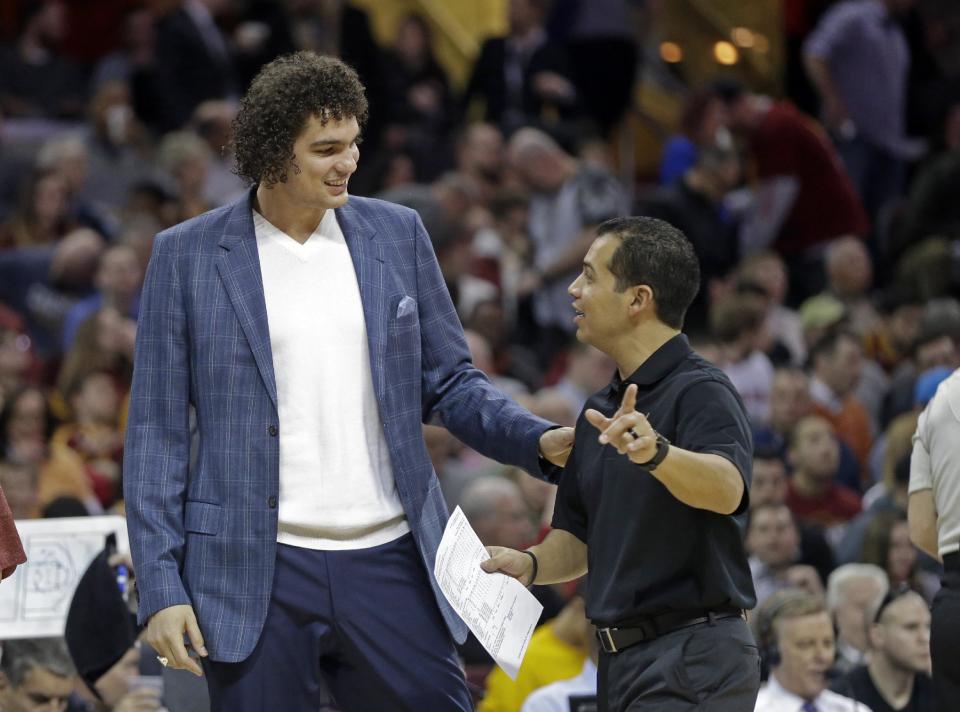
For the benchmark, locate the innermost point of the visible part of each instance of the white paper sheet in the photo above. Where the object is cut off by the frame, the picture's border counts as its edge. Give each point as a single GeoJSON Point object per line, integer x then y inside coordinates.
{"type": "Point", "coordinates": [34, 601]}
{"type": "Point", "coordinates": [499, 610]}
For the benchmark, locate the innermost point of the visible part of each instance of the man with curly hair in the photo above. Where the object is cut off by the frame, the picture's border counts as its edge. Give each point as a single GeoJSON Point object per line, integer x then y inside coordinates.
{"type": "Point", "coordinates": [311, 334]}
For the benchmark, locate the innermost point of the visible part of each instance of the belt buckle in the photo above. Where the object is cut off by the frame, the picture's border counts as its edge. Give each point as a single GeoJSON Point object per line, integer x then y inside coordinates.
{"type": "Point", "coordinates": [606, 640]}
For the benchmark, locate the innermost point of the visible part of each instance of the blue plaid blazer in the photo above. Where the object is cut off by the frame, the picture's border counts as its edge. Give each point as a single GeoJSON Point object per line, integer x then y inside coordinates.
{"type": "Point", "coordinates": [203, 532]}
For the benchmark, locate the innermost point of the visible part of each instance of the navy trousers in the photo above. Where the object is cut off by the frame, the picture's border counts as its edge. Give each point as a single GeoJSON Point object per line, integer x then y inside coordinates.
{"type": "Point", "coordinates": [362, 625]}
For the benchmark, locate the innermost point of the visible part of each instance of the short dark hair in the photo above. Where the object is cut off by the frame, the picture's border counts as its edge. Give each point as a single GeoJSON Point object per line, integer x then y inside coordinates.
{"type": "Point", "coordinates": [655, 253]}
{"type": "Point", "coordinates": [278, 105]}
{"type": "Point", "coordinates": [828, 343]}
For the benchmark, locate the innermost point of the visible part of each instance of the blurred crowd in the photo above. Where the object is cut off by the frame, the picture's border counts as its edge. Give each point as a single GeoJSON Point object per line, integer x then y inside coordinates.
{"type": "Point", "coordinates": [825, 220]}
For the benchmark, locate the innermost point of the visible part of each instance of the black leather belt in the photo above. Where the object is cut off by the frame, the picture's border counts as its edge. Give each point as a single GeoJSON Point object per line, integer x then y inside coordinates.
{"type": "Point", "coordinates": [613, 640]}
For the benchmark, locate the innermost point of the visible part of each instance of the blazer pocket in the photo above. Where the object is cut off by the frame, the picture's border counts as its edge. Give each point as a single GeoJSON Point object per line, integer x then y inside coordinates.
{"type": "Point", "coordinates": [203, 517]}
{"type": "Point", "coordinates": [406, 308]}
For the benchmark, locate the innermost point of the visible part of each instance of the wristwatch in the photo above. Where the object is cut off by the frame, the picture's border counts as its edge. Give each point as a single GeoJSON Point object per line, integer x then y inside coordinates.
{"type": "Point", "coordinates": [663, 447]}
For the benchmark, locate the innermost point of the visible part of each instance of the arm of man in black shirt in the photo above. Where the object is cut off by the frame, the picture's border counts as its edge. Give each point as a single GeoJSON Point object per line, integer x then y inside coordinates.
{"type": "Point", "coordinates": [701, 480]}
{"type": "Point", "coordinates": [560, 557]}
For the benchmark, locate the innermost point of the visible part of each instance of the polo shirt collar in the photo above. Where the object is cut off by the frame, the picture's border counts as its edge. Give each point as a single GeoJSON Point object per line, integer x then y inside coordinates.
{"type": "Point", "coordinates": [658, 365]}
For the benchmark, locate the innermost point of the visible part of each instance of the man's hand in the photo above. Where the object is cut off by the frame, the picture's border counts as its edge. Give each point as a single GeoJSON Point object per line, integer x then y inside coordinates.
{"type": "Point", "coordinates": [165, 634]}
{"type": "Point", "coordinates": [555, 446]}
{"type": "Point", "coordinates": [617, 429]}
{"type": "Point", "coordinates": [511, 562]}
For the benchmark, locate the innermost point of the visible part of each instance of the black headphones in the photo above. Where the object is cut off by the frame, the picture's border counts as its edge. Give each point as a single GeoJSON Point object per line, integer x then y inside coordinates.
{"type": "Point", "coordinates": [767, 617]}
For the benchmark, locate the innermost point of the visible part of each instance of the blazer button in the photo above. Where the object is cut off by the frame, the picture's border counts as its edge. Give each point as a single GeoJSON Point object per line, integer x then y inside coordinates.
{"type": "Point", "coordinates": [272, 430]}
{"type": "Point", "coordinates": [272, 502]}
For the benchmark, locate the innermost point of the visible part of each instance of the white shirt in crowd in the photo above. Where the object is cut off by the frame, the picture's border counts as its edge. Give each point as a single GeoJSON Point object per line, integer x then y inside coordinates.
{"type": "Point", "coordinates": [555, 697]}
{"type": "Point", "coordinates": [935, 462]}
{"type": "Point", "coordinates": [337, 489]}
{"type": "Point", "coordinates": [774, 698]}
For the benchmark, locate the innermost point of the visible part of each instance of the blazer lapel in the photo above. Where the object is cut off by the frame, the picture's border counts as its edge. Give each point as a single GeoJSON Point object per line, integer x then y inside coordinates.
{"type": "Point", "coordinates": [239, 267]}
{"type": "Point", "coordinates": [367, 257]}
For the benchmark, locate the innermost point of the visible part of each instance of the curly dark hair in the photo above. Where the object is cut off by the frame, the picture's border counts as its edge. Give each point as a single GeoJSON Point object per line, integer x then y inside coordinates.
{"type": "Point", "coordinates": [281, 99]}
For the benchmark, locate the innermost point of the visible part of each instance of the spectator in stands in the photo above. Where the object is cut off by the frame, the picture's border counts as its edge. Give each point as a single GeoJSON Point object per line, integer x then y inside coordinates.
{"type": "Point", "coordinates": [105, 342]}
{"type": "Point", "coordinates": [892, 338]}
{"type": "Point", "coordinates": [700, 121]}
{"type": "Point", "coordinates": [19, 483]}
{"type": "Point", "coordinates": [934, 347]}
{"type": "Point", "coordinates": [26, 427]}
{"type": "Point", "coordinates": [796, 635]}
{"type": "Point", "coordinates": [849, 277]}
{"type": "Point", "coordinates": [193, 60]}
{"type": "Point", "coordinates": [118, 280]}
{"type": "Point", "coordinates": [420, 108]}
{"type": "Point", "coordinates": [790, 401]}
{"type": "Point", "coordinates": [886, 543]}
{"type": "Point", "coordinates": [694, 204]}
{"type": "Point", "coordinates": [569, 200]}
{"type": "Point", "coordinates": [769, 488]}
{"type": "Point", "coordinates": [36, 674]}
{"type": "Point", "coordinates": [117, 148]}
{"type": "Point", "coordinates": [588, 370]}
{"type": "Point", "coordinates": [36, 81]}
{"type": "Point", "coordinates": [523, 75]}
{"type": "Point", "coordinates": [797, 168]}
{"type": "Point", "coordinates": [930, 208]}
{"type": "Point", "coordinates": [813, 493]}
{"type": "Point", "coordinates": [94, 434]}
{"type": "Point", "coordinates": [480, 154]}
{"type": "Point", "coordinates": [573, 694]}
{"type": "Point", "coordinates": [186, 159]}
{"type": "Point", "coordinates": [836, 364]}
{"type": "Point", "coordinates": [767, 269]}
{"type": "Point", "coordinates": [864, 107]}
{"type": "Point", "coordinates": [69, 156]}
{"type": "Point", "coordinates": [773, 543]}
{"type": "Point", "coordinates": [557, 651]}
{"type": "Point", "coordinates": [738, 322]}
{"type": "Point", "coordinates": [852, 591]}
{"type": "Point", "coordinates": [16, 354]}
{"type": "Point", "coordinates": [211, 121]}
{"type": "Point", "coordinates": [897, 673]}
{"type": "Point", "coordinates": [41, 216]}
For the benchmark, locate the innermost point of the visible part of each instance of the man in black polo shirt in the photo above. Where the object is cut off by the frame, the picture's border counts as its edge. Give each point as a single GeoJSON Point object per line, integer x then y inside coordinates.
{"type": "Point", "coordinates": [654, 488]}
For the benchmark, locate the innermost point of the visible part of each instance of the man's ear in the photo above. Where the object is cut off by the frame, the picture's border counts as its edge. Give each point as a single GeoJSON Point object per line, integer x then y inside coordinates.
{"type": "Point", "coordinates": [642, 298]}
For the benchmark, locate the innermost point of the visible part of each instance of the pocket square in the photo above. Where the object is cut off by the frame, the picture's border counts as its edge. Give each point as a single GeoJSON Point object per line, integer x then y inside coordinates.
{"type": "Point", "coordinates": [407, 305]}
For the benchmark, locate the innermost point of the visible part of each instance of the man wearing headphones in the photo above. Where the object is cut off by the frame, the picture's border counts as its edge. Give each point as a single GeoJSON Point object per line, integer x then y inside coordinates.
{"type": "Point", "coordinates": [795, 634]}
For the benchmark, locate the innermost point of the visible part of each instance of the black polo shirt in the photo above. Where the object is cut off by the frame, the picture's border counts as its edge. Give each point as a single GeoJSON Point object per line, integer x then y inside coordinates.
{"type": "Point", "coordinates": [648, 552]}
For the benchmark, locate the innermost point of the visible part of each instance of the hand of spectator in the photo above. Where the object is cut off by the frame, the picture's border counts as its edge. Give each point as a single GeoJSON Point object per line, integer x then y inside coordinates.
{"type": "Point", "coordinates": [143, 699]}
{"type": "Point", "coordinates": [165, 633]}
{"type": "Point", "coordinates": [424, 97]}
{"type": "Point", "coordinates": [835, 114]}
{"type": "Point", "coordinates": [511, 562]}
{"type": "Point", "coordinates": [553, 86]}
{"type": "Point", "coordinates": [556, 444]}
{"type": "Point", "coordinates": [627, 430]}
{"type": "Point", "coordinates": [805, 577]}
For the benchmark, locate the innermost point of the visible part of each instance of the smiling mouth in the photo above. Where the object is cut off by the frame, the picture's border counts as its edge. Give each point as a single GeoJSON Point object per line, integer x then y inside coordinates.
{"type": "Point", "coordinates": [336, 183]}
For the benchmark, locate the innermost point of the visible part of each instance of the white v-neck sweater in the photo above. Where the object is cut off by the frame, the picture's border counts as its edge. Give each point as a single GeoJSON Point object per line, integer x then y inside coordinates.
{"type": "Point", "coordinates": [337, 489]}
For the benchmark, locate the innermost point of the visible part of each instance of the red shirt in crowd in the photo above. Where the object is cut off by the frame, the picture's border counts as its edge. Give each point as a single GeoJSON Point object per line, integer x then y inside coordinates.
{"type": "Point", "coordinates": [788, 143]}
{"type": "Point", "coordinates": [836, 505]}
